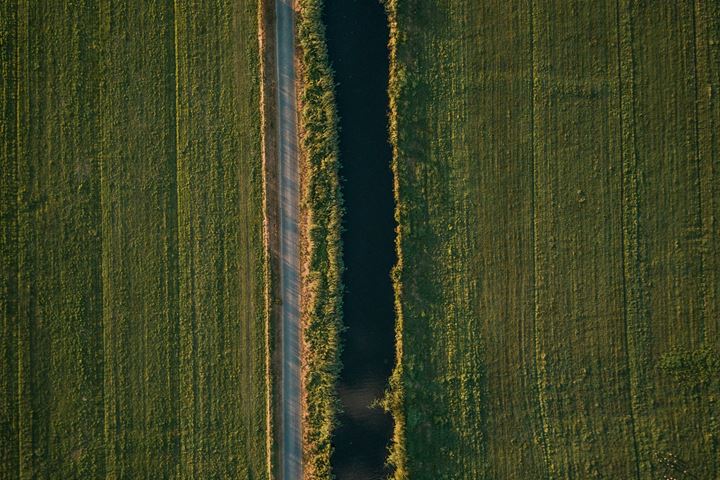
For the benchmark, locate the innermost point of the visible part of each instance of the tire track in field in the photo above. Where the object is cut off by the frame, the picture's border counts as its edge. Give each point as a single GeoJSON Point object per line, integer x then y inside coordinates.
{"type": "Point", "coordinates": [698, 169]}
{"type": "Point", "coordinates": [630, 249]}
{"type": "Point", "coordinates": [540, 373]}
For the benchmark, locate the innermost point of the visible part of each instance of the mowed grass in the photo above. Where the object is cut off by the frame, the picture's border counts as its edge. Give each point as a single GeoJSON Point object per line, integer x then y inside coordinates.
{"type": "Point", "coordinates": [131, 297]}
{"type": "Point", "coordinates": [557, 198]}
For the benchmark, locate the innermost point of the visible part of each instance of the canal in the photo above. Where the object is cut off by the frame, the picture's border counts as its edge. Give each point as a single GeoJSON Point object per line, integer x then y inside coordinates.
{"type": "Point", "coordinates": [357, 36]}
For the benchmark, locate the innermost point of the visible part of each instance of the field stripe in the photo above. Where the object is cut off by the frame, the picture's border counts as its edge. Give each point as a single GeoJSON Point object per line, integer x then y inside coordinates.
{"type": "Point", "coordinates": [90, 249]}
{"type": "Point", "coordinates": [540, 371]}
{"type": "Point", "coordinates": [666, 161]}
{"type": "Point", "coordinates": [707, 48]}
{"type": "Point", "coordinates": [24, 418]}
{"type": "Point", "coordinates": [222, 323]}
{"type": "Point", "coordinates": [443, 372]}
{"type": "Point", "coordinates": [580, 327]}
{"type": "Point", "coordinates": [707, 89]}
{"type": "Point", "coordinates": [635, 310]}
{"type": "Point", "coordinates": [498, 163]}
{"type": "Point", "coordinates": [60, 288]}
{"type": "Point", "coordinates": [692, 13]}
{"type": "Point", "coordinates": [9, 467]}
{"type": "Point", "coordinates": [140, 271]}
{"type": "Point", "coordinates": [670, 227]}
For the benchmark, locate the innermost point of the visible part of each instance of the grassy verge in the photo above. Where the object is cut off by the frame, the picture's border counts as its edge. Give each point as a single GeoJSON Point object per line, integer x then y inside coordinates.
{"type": "Point", "coordinates": [395, 398]}
{"type": "Point", "coordinates": [322, 209]}
{"type": "Point", "coordinates": [271, 240]}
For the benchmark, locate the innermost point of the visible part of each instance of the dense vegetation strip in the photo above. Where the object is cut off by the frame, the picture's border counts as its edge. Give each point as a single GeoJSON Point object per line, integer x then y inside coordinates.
{"type": "Point", "coordinates": [557, 238]}
{"type": "Point", "coordinates": [270, 204]}
{"type": "Point", "coordinates": [222, 323]}
{"type": "Point", "coordinates": [321, 206]}
{"type": "Point", "coordinates": [8, 241]}
{"type": "Point", "coordinates": [140, 268]}
{"type": "Point", "coordinates": [394, 400]}
{"type": "Point", "coordinates": [59, 242]}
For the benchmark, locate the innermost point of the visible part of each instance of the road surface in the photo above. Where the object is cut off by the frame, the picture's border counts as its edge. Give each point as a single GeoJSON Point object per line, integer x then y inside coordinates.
{"type": "Point", "coordinates": [291, 415]}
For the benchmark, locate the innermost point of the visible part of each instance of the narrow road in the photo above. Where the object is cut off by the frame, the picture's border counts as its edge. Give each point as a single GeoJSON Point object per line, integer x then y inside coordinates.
{"type": "Point", "coordinates": [291, 416]}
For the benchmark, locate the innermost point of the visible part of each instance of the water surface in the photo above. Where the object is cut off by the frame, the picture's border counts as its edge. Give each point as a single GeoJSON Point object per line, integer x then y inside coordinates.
{"type": "Point", "coordinates": [357, 36]}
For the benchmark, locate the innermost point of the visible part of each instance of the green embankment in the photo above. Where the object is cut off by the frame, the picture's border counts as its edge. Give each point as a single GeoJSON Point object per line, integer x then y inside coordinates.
{"type": "Point", "coordinates": [131, 296]}
{"type": "Point", "coordinates": [321, 205]}
{"type": "Point", "coordinates": [557, 199]}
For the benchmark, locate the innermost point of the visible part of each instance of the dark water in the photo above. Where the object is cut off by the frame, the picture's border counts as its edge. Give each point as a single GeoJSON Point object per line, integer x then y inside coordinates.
{"type": "Point", "coordinates": [357, 36]}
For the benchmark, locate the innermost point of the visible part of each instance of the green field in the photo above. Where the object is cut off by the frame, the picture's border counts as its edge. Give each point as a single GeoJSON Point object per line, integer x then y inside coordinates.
{"type": "Point", "coordinates": [556, 168]}
{"type": "Point", "coordinates": [131, 294]}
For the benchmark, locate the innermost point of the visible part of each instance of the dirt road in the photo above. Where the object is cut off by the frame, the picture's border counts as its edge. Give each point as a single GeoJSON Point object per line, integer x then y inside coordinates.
{"type": "Point", "coordinates": [291, 415]}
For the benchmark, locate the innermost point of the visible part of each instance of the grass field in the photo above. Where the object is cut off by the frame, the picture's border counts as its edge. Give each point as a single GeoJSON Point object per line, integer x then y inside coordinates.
{"type": "Point", "coordinates": [558, 201]}
{"type": "Point", "coordinates": [131, 297]}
